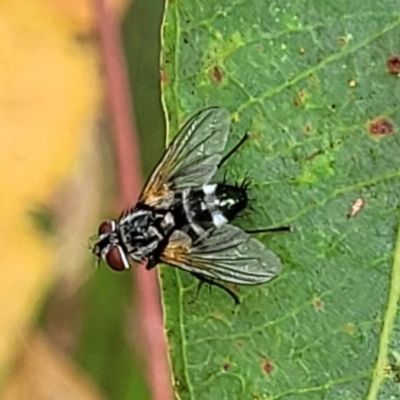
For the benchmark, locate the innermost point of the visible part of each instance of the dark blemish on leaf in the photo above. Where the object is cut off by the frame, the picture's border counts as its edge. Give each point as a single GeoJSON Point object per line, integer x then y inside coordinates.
{"type": "Point", "coordinates": [188, 21]}
{"type": "Point", "coordinates": [239, 345]}
{"type": "Point", "coordinates": [235, 118]}
{"type": "Point", "coordinates": [163, 77]}
{"type": "Point", "coordinates": [185, 40]}
{"type": "Point", "coordinates": [318, 304]}
{"type": "Point", "coordinates": [227, 366]}
{"type": "Point", "coordinates": [268, 366]}
{"type": "Point", "coordinates": [308, 128]}
{"type": "Point", "coordinates": [260, 47]}
{"type": "Point", "coordinates": [380, 127]}
{"type": "Point", "coordinates": [342, 41]}
{"type": "Point", "coordinates": [315, 154]}
{"type": "Point", "coordinates": [217, 74]}
{"type": "Point", "coordinates": [352, 83]}
{"type": "Point", "coordinates": [333, 107]}
{"type": "Point", "coordinates": [393, 64]}
{"type": "Point", "coordinates": [255, 396]}
{"type": "Point", "coordinates": [299, 99]}
{"type": "Point", "coordinates": [314, 80]}
{"type": "Point", "coordinates": [356, 207]}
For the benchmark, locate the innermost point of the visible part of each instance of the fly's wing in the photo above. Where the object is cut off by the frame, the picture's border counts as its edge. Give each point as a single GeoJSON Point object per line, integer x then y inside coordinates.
{"type": "Point", "coordinates": [227, 254]}
{"type": "Point", "coordinates": [191, 159]}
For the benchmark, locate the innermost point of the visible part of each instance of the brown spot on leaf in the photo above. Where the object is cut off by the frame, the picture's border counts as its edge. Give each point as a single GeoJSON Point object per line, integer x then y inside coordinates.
{"type": "Point", "coordinates": [308, 128]}
{"type": "Point", "coordinates": [349, 328]}
{"type": "Point", "coordinates": [227, 366]}
{"type": "Point", "coordinates": [268, 366]}
{"type": "Point", "coordinates": [300, 99]}
{"type": "Point", "coordinates": [217, 74]}
{"type": "Point", "coordinates": [163, 77]}
{"type": "Point", "coordinates": [342, 41]}
{"type": "Point", "coordinates": [318, 304]}
{"type": "Point", "coordinates": [380, 126]}
{"type": "Point", "coordinates": [239, 345]}
{"type": "Point", "coordinates": [260, 47]}
{"type": "Point", "coordinates": [393, 64]}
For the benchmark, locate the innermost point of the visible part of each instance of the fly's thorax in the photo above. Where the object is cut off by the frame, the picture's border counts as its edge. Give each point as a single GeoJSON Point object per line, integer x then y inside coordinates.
{"type": "Point", "coordinates": [143, 231]}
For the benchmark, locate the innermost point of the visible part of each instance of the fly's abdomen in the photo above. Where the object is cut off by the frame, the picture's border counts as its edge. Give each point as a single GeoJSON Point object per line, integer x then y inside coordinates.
{"type": "Point", "coordinates": [214, 205]}
{"type": "Point", "coordinates": [230, 200]}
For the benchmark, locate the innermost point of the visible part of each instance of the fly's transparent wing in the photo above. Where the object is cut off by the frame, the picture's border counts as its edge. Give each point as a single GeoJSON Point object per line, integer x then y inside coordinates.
{"type": "Point", "coordinates": [191, 159]}
{"type": "Point", "coordinates": [228, 254]}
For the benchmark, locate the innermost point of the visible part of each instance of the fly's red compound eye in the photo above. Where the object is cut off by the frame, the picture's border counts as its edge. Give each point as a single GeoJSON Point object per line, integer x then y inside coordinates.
{"type": "Point", "coordinates": [116, 259]}
{"type": "Point", "coordinates": [106, 227]}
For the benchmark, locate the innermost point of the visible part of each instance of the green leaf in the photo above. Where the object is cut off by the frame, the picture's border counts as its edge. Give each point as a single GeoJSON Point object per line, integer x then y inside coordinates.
{"type": "Point", "coordinates": [309, 81]}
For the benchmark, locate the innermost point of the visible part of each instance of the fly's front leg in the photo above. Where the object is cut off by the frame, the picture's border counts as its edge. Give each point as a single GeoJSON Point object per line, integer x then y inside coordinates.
{"type": "Point", "coordinates": [152, 261]}
{"type": "Point", "coordinates": [211, 282]}
{"type": "Point", "coordinates": [285, 228]}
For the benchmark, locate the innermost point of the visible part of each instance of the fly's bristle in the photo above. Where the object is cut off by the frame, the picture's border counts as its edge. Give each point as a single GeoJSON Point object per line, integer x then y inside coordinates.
{"type": "Point", "coordinates": [247, 182]}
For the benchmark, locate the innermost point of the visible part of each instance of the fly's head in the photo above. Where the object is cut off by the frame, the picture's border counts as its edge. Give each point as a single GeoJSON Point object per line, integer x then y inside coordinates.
{"type": "Point", "coordinates": [108, 246]}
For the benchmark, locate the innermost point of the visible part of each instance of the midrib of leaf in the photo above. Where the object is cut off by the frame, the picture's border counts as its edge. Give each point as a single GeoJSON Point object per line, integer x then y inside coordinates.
{"type": "Point", "coordinates": [390, 315]}
{"type": "Point", "coordinates": [169, 137]}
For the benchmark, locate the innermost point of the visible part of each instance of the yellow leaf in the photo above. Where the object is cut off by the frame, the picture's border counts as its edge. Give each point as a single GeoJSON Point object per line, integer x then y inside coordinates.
{"type": "Point", "coordinates": [50, 94]}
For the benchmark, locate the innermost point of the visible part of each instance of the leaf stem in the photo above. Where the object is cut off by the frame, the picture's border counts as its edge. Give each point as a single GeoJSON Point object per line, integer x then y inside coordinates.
{"type": "Point", "coordinates": [150, 319]}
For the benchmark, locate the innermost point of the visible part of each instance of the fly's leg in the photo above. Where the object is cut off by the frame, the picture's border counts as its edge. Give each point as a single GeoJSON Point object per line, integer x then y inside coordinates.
{"type": "Point", "coordinates": [152, 261]}
{"type": "Point", "coordinates": [234, 150]}
{"type": "Point", "coordinates": [211, 282]}
{"type": "Point", "coordinates": [286, 228]}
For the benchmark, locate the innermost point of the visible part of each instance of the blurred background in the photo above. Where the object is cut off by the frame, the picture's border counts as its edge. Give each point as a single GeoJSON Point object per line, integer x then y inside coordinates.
{"type": "Point", "coordinates": [67, 328]}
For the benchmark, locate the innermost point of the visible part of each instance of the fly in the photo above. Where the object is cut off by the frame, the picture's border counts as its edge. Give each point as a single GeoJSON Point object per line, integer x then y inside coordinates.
{"type": "Point", "coordinates": [183, 219]}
